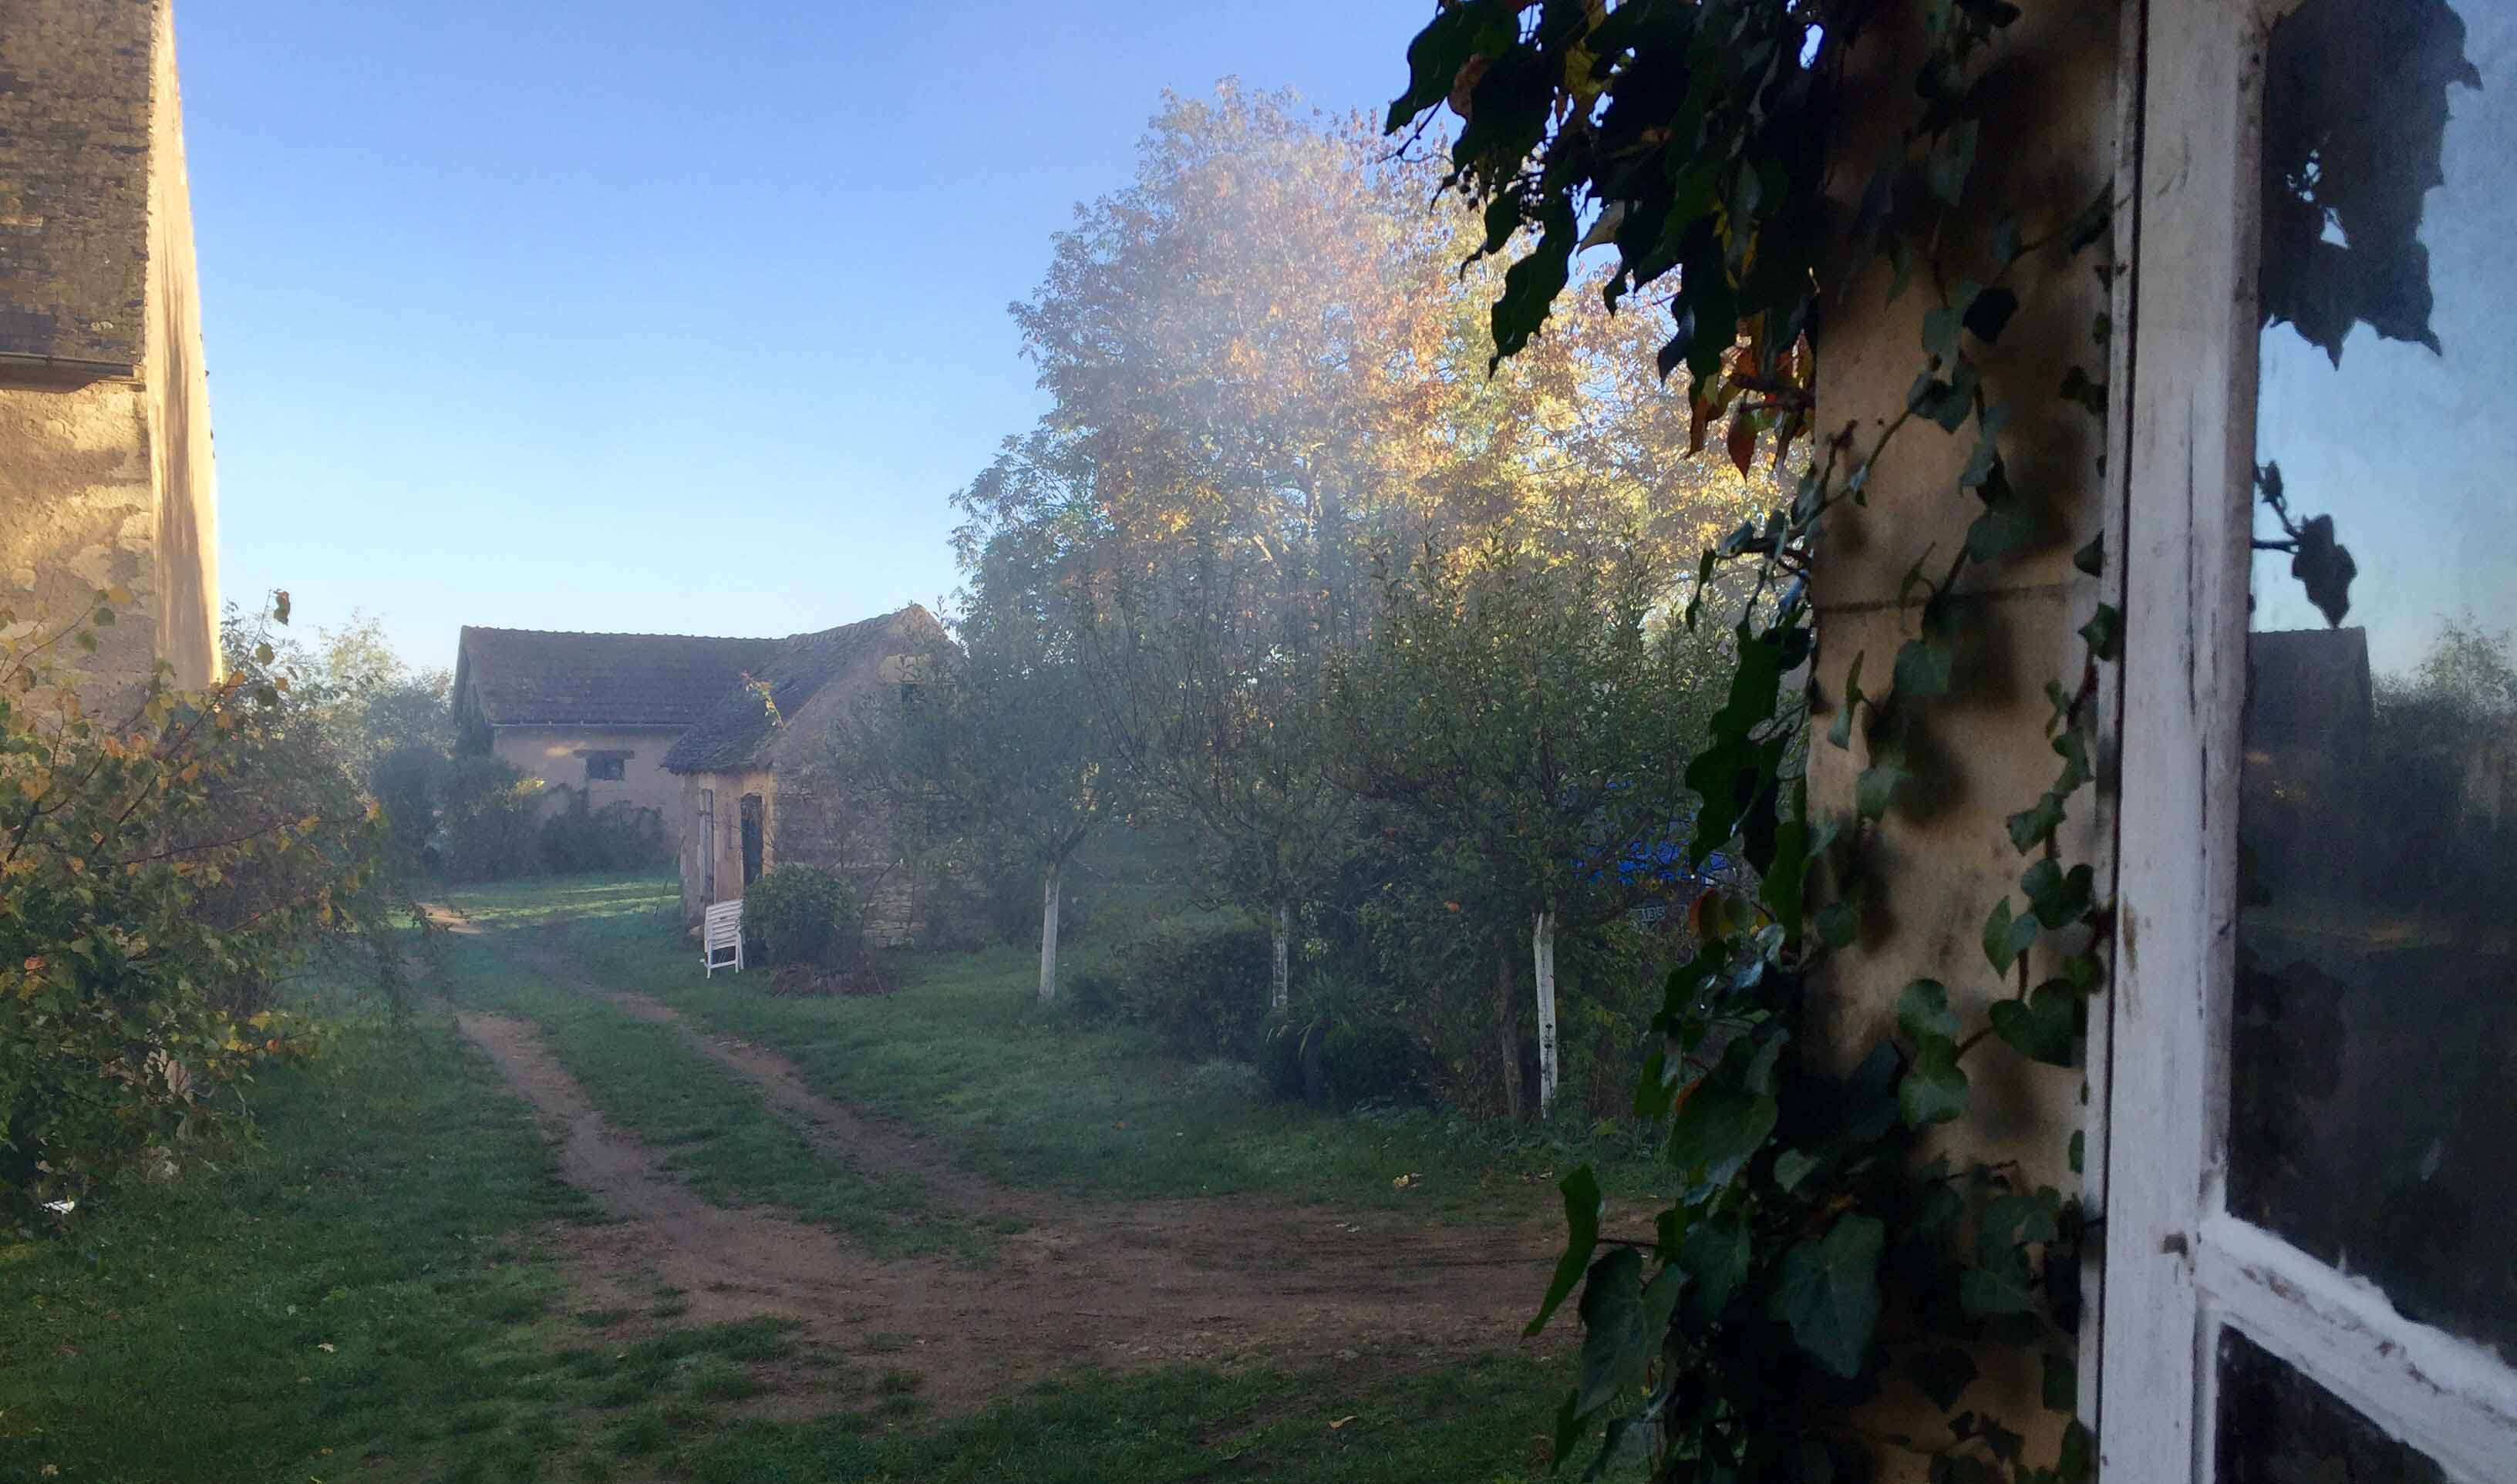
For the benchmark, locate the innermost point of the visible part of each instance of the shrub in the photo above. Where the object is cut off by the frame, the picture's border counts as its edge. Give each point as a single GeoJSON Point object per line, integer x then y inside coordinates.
{"type": "Point", "coordinates": [160, 870]}
{"type": "Point", "coordinates": [1201, 988]}
{"type": "Point", "coordinates": [488, 819]}
{"type": "Point", "coordinates": [802, 915]}
{"type": "Point", "coordinates": [1338, 1045]}
{"type": "Point", "coordinates": [618, 836]}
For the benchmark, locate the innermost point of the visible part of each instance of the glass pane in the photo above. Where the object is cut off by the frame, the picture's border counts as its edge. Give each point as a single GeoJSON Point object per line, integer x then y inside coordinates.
{"type": "Point", "coordinates": [2278, 1428]}
{"type": "Point", "coordinates": [2374, 1085]}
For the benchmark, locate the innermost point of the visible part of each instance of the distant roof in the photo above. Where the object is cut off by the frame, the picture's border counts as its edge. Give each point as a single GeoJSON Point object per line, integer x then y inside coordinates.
{"type": "Point", "coordinates": [2306, 683]}
{"type": "Point", "coordinates": [733, 731]}
{"type": "Point", "coordinates": [525, 676]}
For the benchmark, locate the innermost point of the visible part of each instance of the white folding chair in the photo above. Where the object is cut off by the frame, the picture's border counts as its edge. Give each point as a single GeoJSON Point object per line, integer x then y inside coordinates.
{"type": "Point", "coordinates": [722, 933]}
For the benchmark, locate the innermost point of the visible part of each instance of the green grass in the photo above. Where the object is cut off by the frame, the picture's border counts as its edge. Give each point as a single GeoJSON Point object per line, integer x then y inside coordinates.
{"type": "Point", "coordinates": [364, 1295]}
{"type": "Point", "coordinates": [1027, 1095]}
{"type": "Point", "coordinates": [711, 1127]}
{"type": "Point", "coordinates": [393, 1213]}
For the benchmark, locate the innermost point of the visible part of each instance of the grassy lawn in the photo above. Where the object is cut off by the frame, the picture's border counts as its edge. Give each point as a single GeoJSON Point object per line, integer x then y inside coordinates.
{"type": "Point", "coordinates": [366, 1293]}
{"type": "Point", "coordinates": [1026, 1096]}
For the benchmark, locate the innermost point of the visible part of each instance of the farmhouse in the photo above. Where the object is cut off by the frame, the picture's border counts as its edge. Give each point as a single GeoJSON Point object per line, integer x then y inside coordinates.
{"type": "Point", "coordinates": [756, 787]}
{"type": "Point", "coordinates": [594, 714]}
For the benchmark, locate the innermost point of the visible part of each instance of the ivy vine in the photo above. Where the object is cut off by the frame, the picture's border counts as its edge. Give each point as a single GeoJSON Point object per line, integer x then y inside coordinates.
{"type": "Point", "coordinates": [1813, 1252]}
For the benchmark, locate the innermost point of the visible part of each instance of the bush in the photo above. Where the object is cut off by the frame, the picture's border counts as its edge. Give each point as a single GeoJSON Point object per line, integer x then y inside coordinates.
{"type": "Point", "coordinates": [802, 915]}
{"type": "Point", "coordinates": [158, 873]}
{"type": "Point", "coordinates": [488, 819]}
{"type": "Point", "coordinates": [1201, 988]}
{"type": "Point", "coordinates": [1336, 1048]}
{"type": "Point", "coordinates": [618, 836]}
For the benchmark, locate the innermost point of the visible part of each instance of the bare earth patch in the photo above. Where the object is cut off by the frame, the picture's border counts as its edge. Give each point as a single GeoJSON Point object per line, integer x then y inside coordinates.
{"type": "Point", "coordinates": [1218, 1281]}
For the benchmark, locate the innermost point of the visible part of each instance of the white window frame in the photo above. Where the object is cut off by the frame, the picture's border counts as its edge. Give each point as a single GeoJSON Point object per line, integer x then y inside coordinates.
{"type": "Point", "coordinates": [2178, 1267]}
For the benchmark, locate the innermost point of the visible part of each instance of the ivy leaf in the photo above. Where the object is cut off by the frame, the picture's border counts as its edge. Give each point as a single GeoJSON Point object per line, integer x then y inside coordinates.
{"type": "Point", "coordinates": [1793, 1165]}
{"type": "Point", "coordinates": [2059, 897]}
{"type": "Point", "coordinates": [2103, 631]}
{"type": "Point", "coordinates": [2077, 1460]}
{"type": "Point", "coordinates": [2006, 937]}
{"type": "Point", "coordinates": [1923, 1012]}
{"type": "Point", "coordinates": [2079, 1144]}
{"type": "Point", "coordinates": [2033, 825]}
{"type": "Point", "coordinates": [2043, 1026]}
{"type": "Point", "coordinates": [1614, 1348]}
{"type": "Point", "coordinates": [1582, 1206]}
{"type": "Point", "coordinates": [1988, 313]}
{"type": "Point", "coordinates": [1717, 1129]}
{"type": "Point", "coordinates": [2092, 558]}
{"type": "Point", "coordinates": [1840, 730]}
{"type": "Point", "coordinates": [2323, 567]}
{"type": "Point", "coordinates": [1999, 1287]}
{"type": "Point", "coordinates": [1837, 923]}
{"type": "Point", "coordinates": [1934, 1087]}
{"type": "Point", "coordinates": [1924, 666]}
{"type": "Point", "coordinates": [1943, 1374]}
{"type": "Point", "coordinates": [1714, 1254]}
{"type": "Point", "coordinates": [1940, 333]}
{"type": "Point", "coordinates": [2090, 395]}
{"type": "Point", "coordinates": [1827, 1290]}
{"type": "Point", "coordinates": [1951, 162]}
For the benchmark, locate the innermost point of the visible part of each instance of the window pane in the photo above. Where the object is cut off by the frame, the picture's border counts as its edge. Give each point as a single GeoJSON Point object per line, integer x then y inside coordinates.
{"type": "Point", "coordinates": [2278, 1428]}
{"type": "Point", "coordinates": [2374, 1078]}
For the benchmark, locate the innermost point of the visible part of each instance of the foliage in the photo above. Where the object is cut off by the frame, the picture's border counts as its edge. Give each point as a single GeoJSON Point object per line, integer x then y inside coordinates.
{"type": "Point", "coordinates": [803, 915]}
{"type": "Point", "coordinates": [1200, 987]}
{"type": "Point", "coordinates": [618, 836]}
{"type": "Point", "coordinates": [166, 865]}
{"type": "Point", "coordinates": [1336, 1046]}
{"type": "Point", "coordinates": [488, 816]}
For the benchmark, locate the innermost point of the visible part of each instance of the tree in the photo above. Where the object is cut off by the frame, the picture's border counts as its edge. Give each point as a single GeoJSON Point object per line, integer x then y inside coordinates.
{"type": "Point", "coordinates": [996, 746]}
{"type": "Point", "coordinates": [1532, 711]}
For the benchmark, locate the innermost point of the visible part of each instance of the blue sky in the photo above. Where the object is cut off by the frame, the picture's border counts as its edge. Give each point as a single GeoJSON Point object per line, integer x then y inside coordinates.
{"type": "Point", "coordinates": [629, 316]}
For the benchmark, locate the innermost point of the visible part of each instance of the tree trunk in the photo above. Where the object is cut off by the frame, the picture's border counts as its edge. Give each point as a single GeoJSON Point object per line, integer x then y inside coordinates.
{"type": "Point", "coordinates": [1280, 986]}
{"type": "Point", "coordinates": [1506, 1031]}
{"type": "Point", "coordinates": [1542, 944]}
{"type": "Point", "coordinates": [1048, 935]}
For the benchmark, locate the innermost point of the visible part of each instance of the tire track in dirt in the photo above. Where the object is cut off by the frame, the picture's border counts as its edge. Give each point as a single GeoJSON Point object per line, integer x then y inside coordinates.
{"type": "Point", "coordinates": [1222, 1281]}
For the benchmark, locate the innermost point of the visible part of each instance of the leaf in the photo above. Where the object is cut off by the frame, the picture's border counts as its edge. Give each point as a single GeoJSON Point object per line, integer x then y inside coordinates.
{"type": "Point", "coordinates": [1876, 786]}
{"type": "Point", "coordinates": [1827, 1289]}
{"type": "Point", "coordinates": [1614, 1348]}
{"type": "Point", "coordinates": [2079, 1144]}
{"type": "Point", "coordinates": [1582, 1206]}
{"type": "Point", "coordinates": [1793, 1165]}
{"type": "Point", "coordinates": [2043, 1026]}
{"type": "Point", "coordinates": [2325, 568]}
{"type": "Point", "coordinates": [2092, 558]}
{"type": "Point", "coordinates": [1840, 730]}
{"type": "Point", "coordinates": [1837, 923]}
{"type": "Point", "coordinates": [2090, 395]}
{"type": "Point", "coordinates": [1924, 666]}
{"type": "Point", "coordinates": [2059, 897]}
{"type": "Point", "coordinates": [1951, 162]}
{"type": "Point", "coordinates": [2030, 826]}
{"type": "Point", "coordinates": [1943, 1374]}
{"type": "Point", "coordinates": [1998, 1289]}
{"type": "Point", "coordinates": [1934, 1089]}
{"type": "Point", "coordinates": [1923, 1011]}
{"type": "Point", "coordinates": [1940, 335]}
{"type": "Point", "coordinates": [1741, 444]}
{"type": "Point", "coordinates": [2006, 937]}
{"type": "Point", "coordinates": [1433, 61]}
{"type": "Point", "coordinates": [2077, 1460]}
{"type": "Point", "coordinates": [1530, 285]}
{"type": "Point", "coordinates": [1714, 1255]}
{"type": "Point", "coordinates": [280, 606]}
{"type": "Point", "coordinates": [1988, 313]}
{"type": "Point", "coordinates": [1717, 1129]}
{"type": "Point", "coordinates": [2103, 631]}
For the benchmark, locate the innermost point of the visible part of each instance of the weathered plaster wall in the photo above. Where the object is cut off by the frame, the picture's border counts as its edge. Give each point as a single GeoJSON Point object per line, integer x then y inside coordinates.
{"type": "Point", "coordinates": [1942, 857]}
{"type": "Point", "coordinates": [104, 444]}
{"type": "Point", "coordinates": [555, 755]}
{"type": "Point", "coordinates": [730, 788]}
{"type": "Point", "coordinates": [185, 603]}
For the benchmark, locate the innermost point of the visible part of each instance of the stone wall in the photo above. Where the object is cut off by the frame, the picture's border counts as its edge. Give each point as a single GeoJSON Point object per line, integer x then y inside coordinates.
{"type": "Point", "coordinates": [104, 444]}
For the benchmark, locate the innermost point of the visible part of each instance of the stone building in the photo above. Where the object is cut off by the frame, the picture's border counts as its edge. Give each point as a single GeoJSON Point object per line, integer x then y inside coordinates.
{"type": "Point", "coordinates": [592, 715]}
{"type": "Point", "coordinates": [756, 789]}
{"type": "Point", "coordinates": [105, 423]}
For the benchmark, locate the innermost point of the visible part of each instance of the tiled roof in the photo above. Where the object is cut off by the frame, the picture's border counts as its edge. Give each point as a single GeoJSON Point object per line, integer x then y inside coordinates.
{"type": "Point", "coordinates": [525, 676]}
{"type": "Point", "coordinates": [734, 731]}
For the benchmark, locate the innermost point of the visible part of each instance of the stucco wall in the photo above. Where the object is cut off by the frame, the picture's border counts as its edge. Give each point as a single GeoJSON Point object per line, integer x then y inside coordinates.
{"type": "Point", "coordinates": [1942, 857]}
{"type": "Point", "coordinates": [729, 788]}
{"type": "Point", "coordinates": [104, 441]}
{"type": "Point", "coordinates": [555, 754]}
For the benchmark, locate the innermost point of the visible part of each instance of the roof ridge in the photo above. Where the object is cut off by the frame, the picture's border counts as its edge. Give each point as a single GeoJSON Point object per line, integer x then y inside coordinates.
{"type": "Point", "coordinates": [608, 633]}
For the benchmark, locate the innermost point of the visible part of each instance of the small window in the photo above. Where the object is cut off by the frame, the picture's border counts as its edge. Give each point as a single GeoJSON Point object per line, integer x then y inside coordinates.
{"type": "Point", "coordinates": [606, 767]}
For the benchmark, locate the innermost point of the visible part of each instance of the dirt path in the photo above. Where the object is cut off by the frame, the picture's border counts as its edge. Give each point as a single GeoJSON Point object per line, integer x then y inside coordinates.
{"type": "Point", "coordinates": [1218, 1282]}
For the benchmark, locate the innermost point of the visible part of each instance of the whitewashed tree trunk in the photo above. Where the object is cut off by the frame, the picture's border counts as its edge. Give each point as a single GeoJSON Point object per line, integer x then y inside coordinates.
{"type": "Point", "coordinates": [1048, 936]}
{"type": "Point", "coordinates": [1542, 944]}
{"type": "Point", "coordinates": [1280, 987]}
